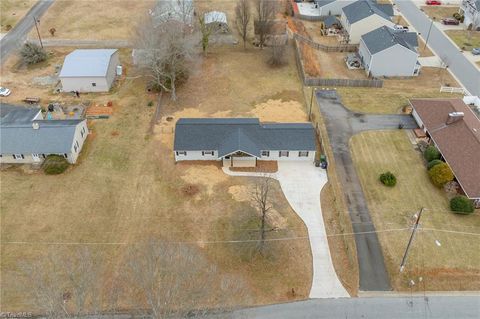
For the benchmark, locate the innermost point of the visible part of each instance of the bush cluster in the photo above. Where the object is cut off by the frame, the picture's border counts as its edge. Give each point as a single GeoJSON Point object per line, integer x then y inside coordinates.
{"type": "Point", "coordinates": [32, 53]}
{"type": "Point", "coordinates": [433, 163]}
{"type": "Point", "coordinates": [55, 164]}
{"type": "Point", "coordinates": [440, 174]}
{"type": "Point", "coordinates": [461, 205]}
{"type": "Point", "coordinates": [431, 153]}
{"type": "Point", "coordinates": [388, 179]}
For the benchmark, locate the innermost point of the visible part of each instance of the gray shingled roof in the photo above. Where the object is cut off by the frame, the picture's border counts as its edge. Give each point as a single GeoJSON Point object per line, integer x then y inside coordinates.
{"type": "Point", "coordinates": [87, 62]}
{"type": "Point", "coordinates": [17, 135]}
{"type": "Point", "coordinates": [228, 135]}
{"type": "Point", "coordinates": [385, 37]}
{"type": "Point", "coordinates": [362, 9]}
{"type": "Point", "coordinates": [322, 3]}
{"type": "Point", "coordinates": [330, 21]}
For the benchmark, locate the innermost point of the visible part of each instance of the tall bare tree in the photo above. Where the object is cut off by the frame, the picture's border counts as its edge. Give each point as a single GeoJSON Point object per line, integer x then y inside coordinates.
{"type": "Point", "coordinates": [278, 51]}
{"type": "Point", "coordinates": [164, 51]}
{"type": "Point", "coordinates": [260, 196]}
{"type": "Point", "coordinates": [176, 281]}
{"type": "Point", "coordinates": [266, 11]}
{"type": "Point", "coordinates": [242, 19]}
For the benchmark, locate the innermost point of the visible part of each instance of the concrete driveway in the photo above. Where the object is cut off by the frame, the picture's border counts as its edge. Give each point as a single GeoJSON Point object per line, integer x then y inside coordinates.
{"type": "Point", "coordinates": [301, 182]}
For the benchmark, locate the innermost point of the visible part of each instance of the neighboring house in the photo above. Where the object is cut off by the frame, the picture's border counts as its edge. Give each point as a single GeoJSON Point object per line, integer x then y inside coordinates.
{"type": "Point", "coordinates": [471, 11]}
{"type": "Point", "coordinates": [243, 141]}
{"type": "Point", "coordinates": [386, 52]}
{"type": "Point", "coordinates": [89, 70]}
{"type": "Point", "coordinates": [364, 16]}
{"type": "Point", "coordinates": [277, 33]}
{"type": "Point", "coordinates": [455, 131]}
{"type": "Point", "coordinates": [216, 21]}
{"type": "Point", "coordinates": [331, 7]}
{"type": "Point", "coordinates": [27, 138]}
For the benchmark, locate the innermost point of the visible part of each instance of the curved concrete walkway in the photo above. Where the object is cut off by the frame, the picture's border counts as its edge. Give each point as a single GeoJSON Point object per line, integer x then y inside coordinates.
{"type": "Point", "coordinates": [301, 183]}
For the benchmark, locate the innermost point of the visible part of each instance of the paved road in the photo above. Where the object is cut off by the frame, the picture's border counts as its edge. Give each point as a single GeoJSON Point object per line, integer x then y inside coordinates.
{"type": "Point", "coordinates": [341, 125]}
{"type": "Point", "coordinates": [438, 307]}
{"type": "Point", "coordinates": [458, 64]}
{"type": "Point", "coordinates": [301, 183]}
{"type": "Point", "coordinates": [15, 37]}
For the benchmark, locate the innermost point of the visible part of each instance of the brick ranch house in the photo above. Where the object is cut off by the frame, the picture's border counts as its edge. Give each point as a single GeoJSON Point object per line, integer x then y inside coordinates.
{"type": "Point", "coordinates": [455, 130]}
{"type": "Point", "coordinates": [241, 142]}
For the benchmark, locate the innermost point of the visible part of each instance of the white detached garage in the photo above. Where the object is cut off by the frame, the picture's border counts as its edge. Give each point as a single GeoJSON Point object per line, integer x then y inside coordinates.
{"type": "Point", "coordinates": [89, 70]}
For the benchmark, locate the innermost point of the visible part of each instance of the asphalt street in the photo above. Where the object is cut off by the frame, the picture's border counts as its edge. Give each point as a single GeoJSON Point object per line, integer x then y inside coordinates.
{"type": "Point", "coordinates": [451, 56]}
{"type": "Point", "coordinates": [15, 37]}
{"type": "Point", "coordinates": [341, 125]}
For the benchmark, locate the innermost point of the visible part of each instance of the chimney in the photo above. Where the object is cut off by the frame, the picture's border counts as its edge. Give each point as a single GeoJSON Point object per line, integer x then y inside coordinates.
{"type": "Point", "coordinates": [35, 125]}
{"type": "Point", "coordinates": [454, 117]}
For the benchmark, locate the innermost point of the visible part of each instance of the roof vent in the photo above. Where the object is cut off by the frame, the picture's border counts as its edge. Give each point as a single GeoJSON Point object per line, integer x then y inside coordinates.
{"type": "Point", "coordinates": [35, 125]}
{"type": "Point", "coordinates": [454, 117]}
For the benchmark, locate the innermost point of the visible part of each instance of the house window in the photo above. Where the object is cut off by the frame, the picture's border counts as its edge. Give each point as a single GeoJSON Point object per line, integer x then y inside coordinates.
{"type": "Point", "coordinates": [283, 154]}
{"type": "Point", "coordinates": [18, 156]}
{"type": "Point", "coordinates": [65, 155]}
{"type": "Point", "coordinates": [265, 153]}
{"type": "Point", "coordinates": [207, 153]}
{"type": "Point", "coordinates": [75, 148]}
{"type": "Point", "coordinates": [182, 153]}
{"type": "Point", "coordinates": [81, 133]}
{"type": "Point", "coordinates": [303, 154]}
{"type": "Point", "coordinates": [76, 142]}
{"type": "Point", "coordinates": [94, 84]}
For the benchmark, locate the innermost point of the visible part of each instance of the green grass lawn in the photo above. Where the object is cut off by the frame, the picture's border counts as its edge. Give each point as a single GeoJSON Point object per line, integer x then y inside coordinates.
{"type": "Point", "coordinates": [466, 40]}
{"type": "Point", "coordinates": [455, 265]}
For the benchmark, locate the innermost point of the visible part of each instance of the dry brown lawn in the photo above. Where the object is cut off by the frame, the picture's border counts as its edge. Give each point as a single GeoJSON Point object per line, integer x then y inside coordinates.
{"type": "Point", "coordinates": [93, 20]}
{"type": "Point", "coordinates": [11, 11]}
{"type": "Point", "coordinates": [439, 12]}
{"type": "Point", "coordinates": [455, 265]}
{"type": "Point", "coordinates": [395, 93]}
{"type": "Point", "coordinates": [466, 40]}
{"type": "Point", "coordinates": [126, 187]}
{"type": "Point", "coordinates": [332, 65]}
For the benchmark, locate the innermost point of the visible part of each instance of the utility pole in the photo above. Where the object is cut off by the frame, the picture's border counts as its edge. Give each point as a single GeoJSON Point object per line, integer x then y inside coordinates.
{"type": "Point", "coordinates": [415, 227]}
{"type": "Point", "coordinates": [38, 32]}
{"type": "Point", "coordinates": [428, 34]}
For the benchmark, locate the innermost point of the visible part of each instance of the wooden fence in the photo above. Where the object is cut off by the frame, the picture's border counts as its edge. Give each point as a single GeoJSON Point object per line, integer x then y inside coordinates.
{"type": "Point", "coordinates": [324, 47]}
{"type": "Point", "coordinates": [325, 82]}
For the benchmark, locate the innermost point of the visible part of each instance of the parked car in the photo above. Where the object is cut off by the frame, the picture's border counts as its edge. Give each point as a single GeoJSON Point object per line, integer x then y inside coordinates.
{"type": "Point", "coordinates": [433, 3]}
{"type": "Point", "coordinates": [401, 28]}
{"type": "Point", "coordinates": [4, 91]}
{"type": "Point", "coordinates": [476, 51]}
{"type": "Point", "coordinates": [450, 21]}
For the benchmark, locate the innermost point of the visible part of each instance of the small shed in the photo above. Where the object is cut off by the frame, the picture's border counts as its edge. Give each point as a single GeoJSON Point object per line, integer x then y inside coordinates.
{"type": "Point", "coordinates": [89, 70]}
{"type": "Point", "coordinates": [216, 21]}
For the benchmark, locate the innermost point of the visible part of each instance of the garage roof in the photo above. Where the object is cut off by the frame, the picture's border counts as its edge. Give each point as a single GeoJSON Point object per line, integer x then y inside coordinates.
{"type": "Point", "coordinates": [87, 63]}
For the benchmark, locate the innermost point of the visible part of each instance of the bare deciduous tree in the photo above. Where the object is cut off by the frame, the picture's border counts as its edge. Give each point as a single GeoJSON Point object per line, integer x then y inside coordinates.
{"type": "Point", "coordinates": [164, 51]}
{"type": "Point", "coordinates": [278, 51]}
{"type": "Point", "coordinates": [266, 11]}
{"type": "Point", "coordinates": [261, 198]}
{"type": "Point", "coordinates": [242, 19]}
{"type": "Point", "coordinates": [176, 281]}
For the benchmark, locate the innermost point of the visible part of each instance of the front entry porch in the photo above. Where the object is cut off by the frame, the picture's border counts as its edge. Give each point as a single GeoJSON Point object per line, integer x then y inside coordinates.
{"type": "Point", "coordinates": [239, 159]}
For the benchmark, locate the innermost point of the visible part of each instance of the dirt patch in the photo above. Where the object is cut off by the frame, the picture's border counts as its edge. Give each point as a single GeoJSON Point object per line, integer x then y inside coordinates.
{"type": "Point", "coordinates": [242, 193]}
{"type": "Point", "coordinates": [190, 190]}
{"type": "Point", "coordinates": [206, 175]}
{"type": "Point", "coordinates": [262, 167]}
{"type": "Point", "coordinates": [280, 111]}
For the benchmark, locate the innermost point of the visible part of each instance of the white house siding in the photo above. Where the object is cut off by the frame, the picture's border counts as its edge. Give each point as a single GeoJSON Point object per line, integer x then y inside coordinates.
{"type": "Point", "coordinates": [364, 55]}
{"type": "Point", "coordinates": [197, 156]}
{"type": "Point", "coordinates": [418, 120]}
{"type": "Point", "coordinates": [334, 8]}
{"type": "Point", "coordinates": [394, 61]}
{"type": "Point", "coordinates": [292, 156]}
{"type": "Point", "coordinates": [73, 155]}
{"type": "Point", "coordinates": [84, 84]}
{"type": "Point", "coordinates": [359, 28]}
{"type": "Point", "coordinates": [112, 69]}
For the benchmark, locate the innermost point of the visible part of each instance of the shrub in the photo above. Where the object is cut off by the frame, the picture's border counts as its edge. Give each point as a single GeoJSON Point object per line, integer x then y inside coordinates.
{"type": "Point", "coordinates": [32, 53]}
{"type": "Point", "coordinates": [431, 153]}
{"type": "Point", "coordinates": [55, 164]}
{"type": "Point", "coordinates": [150, 103]}
{"type": "Point", "coordinates": [433, 163]}
{"type": "Point", "coordinates": [440, 174]}
{"type": "Point", "coordinates": [388, 179]}
{"type": "Point", "coordinates": [461, 205]}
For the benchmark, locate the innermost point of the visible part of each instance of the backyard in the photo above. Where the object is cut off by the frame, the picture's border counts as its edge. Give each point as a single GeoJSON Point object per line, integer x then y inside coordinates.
{"type": "Point", "coordinates": [126, 187]}
{"type": "Point", "coordinates": [445, 251]}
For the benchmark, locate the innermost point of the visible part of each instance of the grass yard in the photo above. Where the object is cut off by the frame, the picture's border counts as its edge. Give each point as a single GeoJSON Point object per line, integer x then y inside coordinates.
{"type": "Point", "coordinates": [126, 187]}
{"type": "Point", "coordinates": [395, 92]}
{"type": "Point", "coordinates": [466, 40]}
{"type": "Point", "coordinates": [11, 11]}
{"type": "Point", "coordinates": [439, 12]}
{"type": "Point", "coordinates": [93, 20]}
{"type": "Point", "coordinates": [455, 265]}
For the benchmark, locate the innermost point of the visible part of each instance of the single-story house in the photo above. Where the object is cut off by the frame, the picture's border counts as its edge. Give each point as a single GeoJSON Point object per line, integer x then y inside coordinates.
{"type": "Point", "coordinates": [331, 7]}
{"type": "Point", "coordinates": [387, 52]}
{"type": "Point", "coordinates": [242, 141]}
{"type": "Point", "coordinates": [89, 70]}
{"type": "Point", "coordinates": [363, 16]}
{"type": "Point", "coordinates": [455, 131]}
{"type": "Point", "coordinates": [216, 21]}
{"type": "Point", "coordinates": [27, 138]}
{"type": "Point", "coordinates": [471, 12]}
